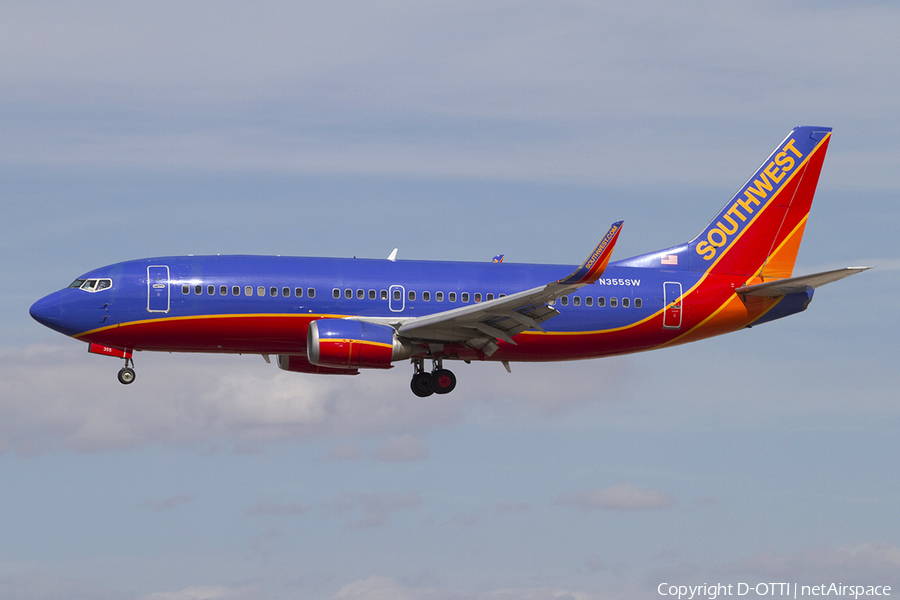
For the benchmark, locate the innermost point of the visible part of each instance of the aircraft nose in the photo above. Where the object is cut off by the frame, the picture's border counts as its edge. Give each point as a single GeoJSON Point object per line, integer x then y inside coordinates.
{"type": "Point", "coordinates": [48, 311]}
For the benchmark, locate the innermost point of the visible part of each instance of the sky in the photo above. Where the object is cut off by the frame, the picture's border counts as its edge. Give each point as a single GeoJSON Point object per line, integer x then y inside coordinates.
{"type": "Point", "coordinates": [452, 131]}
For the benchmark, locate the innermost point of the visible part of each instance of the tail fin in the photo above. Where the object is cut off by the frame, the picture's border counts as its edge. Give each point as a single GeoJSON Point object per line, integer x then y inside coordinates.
{"type": "Point", "coordinates": [758, 232]}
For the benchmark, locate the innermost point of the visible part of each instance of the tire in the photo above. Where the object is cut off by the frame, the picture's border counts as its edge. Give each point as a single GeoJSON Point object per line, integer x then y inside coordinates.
{"type": "Point", "coordinates": [126, 375]}
{"type": "Point", "coordinates": [421, 385]}
{"type": "Point", "coordinates": [443, 381]}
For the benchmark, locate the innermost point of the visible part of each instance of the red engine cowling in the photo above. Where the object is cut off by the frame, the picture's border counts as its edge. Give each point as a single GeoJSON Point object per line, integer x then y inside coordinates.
{"type": "Point", "coordinates": [343, 343]}
{"type": "Point", "coordinates": [299, 364]}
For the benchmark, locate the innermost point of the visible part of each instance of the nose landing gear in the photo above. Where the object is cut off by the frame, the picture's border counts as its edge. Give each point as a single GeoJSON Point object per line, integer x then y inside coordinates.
{"type": "Point", "coordinates": [126, 374]}
{"type": "Point", "coordinates": [439, 381]}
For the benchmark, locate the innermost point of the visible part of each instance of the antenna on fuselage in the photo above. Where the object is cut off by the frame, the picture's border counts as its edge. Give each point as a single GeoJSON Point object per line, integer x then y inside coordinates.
{"type": "Point", "coordinates": [393, 256]}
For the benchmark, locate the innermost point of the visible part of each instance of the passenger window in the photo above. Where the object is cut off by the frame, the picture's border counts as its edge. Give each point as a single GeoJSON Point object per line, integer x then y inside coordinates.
{"type": "Point", "coordinates": [198, 289]}
{"type": "Point", "coordinates": [298, 292]}
{"type": "Point", "coordinates": [502, 296]}
{"type": "Point", "coordinates": [477, 296]}
{"type": "Point", "coordinates": [601, 301]}
{"type": "Point", "coordinates": [384, 294]}
{"type": "Point", "coordinates": [248, 290]}
{"type": "Point", "coordinates": [412, 295]}
{"type": "Point", "coordinates": [360, 294]}
{"type": "Point", "coordinates": [490, 296]}
{"type": "Point", "coordinates": [223, 290]}
{"type": "Point", "coordinates": [564, 300]}
{"type": "Point", "coordinates": [452, 297]}
{"type": "Point", "coordinates": [439, 296]}
{"type": "Point", "coordinates": [336, 293]}
{"type": "Point", "coordinates": [465, 296]}
{"type": "Point", "coordinates": [211, 290]}
{"type": "Point", "coordinates": [426, 296]}
{"type": "Point", "coordinates": [273, 291]}
{"type": "Point", "coordinates": [398, 295]}
{"type": "Point", "coordinates": [236, 290]}
{"type": "Point", "coordinates": [286, 292]}
{"type": "Point", "coordinates": [638, 303]}
{"type": "Point", "coordinates": [311, 292]}
{"type": "Point", "coordinates": [613, 302]}
{"type": "Point", "coordinates": [260, 290]}
{"type": "Point", "coordinates": [372, 294]}
{"type": "Point", "coordinates": [185, 289]}
{"type": "Point", "coordinates": [588, 300]}
{"type": "Point", "coordinates": [348, 293]}
{"type": "Point", "coordinates": [626, 302]}
{"type": "Point", "coordinates": [576, 300]}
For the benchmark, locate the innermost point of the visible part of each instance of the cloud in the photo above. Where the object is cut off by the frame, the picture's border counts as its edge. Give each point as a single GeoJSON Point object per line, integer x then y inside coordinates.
{"type": "Point", "coordinates": [34, 585]}
{"type": "Point", "coordinates": [320, 90]}
{"type": "Point", "coordinates": [466, 519]}
{"type": "Point", "coordinates": [207, 592]}
{"type": "Point", "coordinates": [169, 503]}
{"type": "Point", "coordinates": [621, 496]}
{"type": "Point", "coordinates": [403, 448]}
{"type": "Point", "coordinates": [188, 399]}
{"type": "Point", "coordinates": [271, 507]}
{"type": "Point", "coordinates": [375, 507]}
{"type": "Point", "coordinates": [513, 507]}
{"type": "Point", "coordinates": [871, 562]}
{"type": "Point", "coordinates": [347, 451]}
{"type": "Point", "coordinates": [379, 587]}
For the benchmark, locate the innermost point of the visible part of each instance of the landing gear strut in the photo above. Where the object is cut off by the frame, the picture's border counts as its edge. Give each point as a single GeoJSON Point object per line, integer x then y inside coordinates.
{"type": "Point", "coordinates": [439, 381]}
{"type": "Point", "coordinates": [126, 373]}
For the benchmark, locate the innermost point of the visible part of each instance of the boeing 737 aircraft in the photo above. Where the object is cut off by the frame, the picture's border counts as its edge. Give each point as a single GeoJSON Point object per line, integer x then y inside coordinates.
{"type": "Point", "coordinates": [336, 316]}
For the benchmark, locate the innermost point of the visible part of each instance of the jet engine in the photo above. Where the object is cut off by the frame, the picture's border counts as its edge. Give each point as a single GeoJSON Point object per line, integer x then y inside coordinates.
{"type": "Point", "coordinates": [344, 343]}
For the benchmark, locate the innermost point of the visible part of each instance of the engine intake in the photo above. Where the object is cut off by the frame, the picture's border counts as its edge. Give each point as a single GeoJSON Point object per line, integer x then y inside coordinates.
{"type": "Point", "coordinates": [344, 343]}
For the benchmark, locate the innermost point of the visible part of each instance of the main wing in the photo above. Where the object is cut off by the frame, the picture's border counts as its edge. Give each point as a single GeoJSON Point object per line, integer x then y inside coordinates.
{"type": "Point", "coordinates": [482, 325]}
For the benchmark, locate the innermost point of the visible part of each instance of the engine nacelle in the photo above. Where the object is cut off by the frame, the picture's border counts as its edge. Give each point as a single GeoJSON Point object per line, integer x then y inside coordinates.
{"type": "Point", "coordinates": [343, 343]}
{"type": "Point", "coordinates": [299, 364]}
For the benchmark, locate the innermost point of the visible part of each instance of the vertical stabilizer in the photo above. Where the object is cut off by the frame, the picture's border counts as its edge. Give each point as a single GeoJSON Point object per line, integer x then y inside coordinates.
{"type": "Point", "coordinates": [758, 233]}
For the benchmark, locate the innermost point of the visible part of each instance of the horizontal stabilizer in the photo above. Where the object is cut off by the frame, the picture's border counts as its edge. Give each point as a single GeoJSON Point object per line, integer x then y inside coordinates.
{"type": "Point", "coordinates": [798, 284]}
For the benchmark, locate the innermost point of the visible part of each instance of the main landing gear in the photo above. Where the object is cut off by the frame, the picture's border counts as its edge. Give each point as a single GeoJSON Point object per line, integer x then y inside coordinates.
{"type": "Point", "coordinates": [126, 373]}
{"type": "Point", "coordinates": [439, 381]}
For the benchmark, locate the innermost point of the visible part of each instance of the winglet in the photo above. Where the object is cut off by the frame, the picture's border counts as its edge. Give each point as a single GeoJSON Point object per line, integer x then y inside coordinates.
{"type": "Point", "coordinates": [393, 256]}
{"type": "Point", "coordinates": [592, 268]}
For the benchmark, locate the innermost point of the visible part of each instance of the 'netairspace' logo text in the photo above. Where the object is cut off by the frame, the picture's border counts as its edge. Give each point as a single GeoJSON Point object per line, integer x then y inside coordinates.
{"type": "Point", "coordinates": [771, 589]}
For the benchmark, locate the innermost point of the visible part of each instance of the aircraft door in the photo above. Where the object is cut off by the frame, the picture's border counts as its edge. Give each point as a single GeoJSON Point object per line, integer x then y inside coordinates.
{"type": "Point", "coordinates": [672, 302]}
{"type": "Point", "coordinates": [158, 288]}
{"type": "Point", "coordinates": [397, 298]}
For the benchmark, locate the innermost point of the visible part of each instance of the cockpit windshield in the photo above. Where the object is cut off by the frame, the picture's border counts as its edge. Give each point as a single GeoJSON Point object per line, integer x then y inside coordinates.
{"type": "Point", "coordinates": [91, 285]}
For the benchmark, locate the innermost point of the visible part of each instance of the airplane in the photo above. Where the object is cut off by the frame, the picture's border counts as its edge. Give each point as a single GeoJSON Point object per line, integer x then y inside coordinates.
{"type": "Point", "coordinates": [337, 316]}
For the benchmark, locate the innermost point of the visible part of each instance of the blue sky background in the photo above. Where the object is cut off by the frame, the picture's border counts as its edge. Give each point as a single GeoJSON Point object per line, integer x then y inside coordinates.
{"type": "Point", "coordinates": [453, 131]}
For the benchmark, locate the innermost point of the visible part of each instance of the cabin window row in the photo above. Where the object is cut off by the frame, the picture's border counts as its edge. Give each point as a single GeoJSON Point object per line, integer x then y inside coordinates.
{"type": "Point", "coordinates": [248, 290]}
{"type": "Point", "coordinates": [412, 295]}
{"type": "Point", "coordinates": [361, 294]}
{"type": "Point", "coordinates": [601, 301]}
{"type": "Point", "coordinates": [477, 297]}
